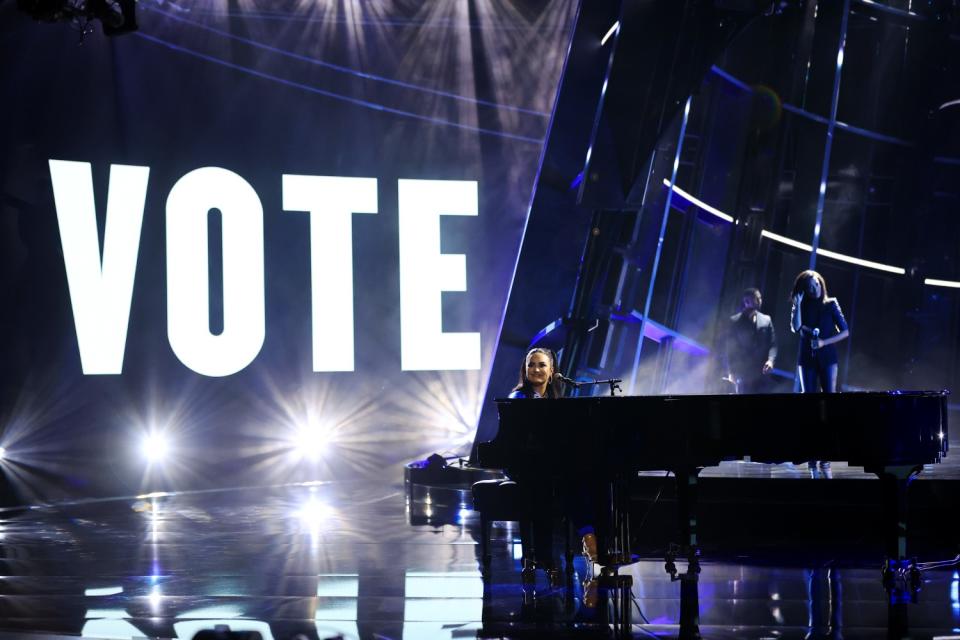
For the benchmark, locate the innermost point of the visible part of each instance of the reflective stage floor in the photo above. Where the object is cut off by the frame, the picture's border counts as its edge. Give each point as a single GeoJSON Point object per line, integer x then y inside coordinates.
{"type": "Point", "coordinates": [344, 559]}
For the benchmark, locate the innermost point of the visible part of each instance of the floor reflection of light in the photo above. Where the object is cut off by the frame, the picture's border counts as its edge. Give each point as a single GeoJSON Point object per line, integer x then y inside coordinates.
{"type": "Point", "coordinates": [103, 591]}
{"type": "Point", "coordinates": [222, 611]}
{"type": "Point", "coordinates": [107, 614]}
{"type": "Point", "coordinates": [109, 623]}
{"type": "Point", "coordinates": [955, 593]}
{"type": "Point", "coordinates": [153, 528]}
{"type": "Point", "coordinates": [152, 511]}
{"type": "Point", "coordinates": [155, 598]}
{"type": "Point", "coordinates": [338, 585]}
{"type": "Point", "coordinates": [315, 516]}
{"type": "Point", "coordinates": [442, 605]}
{"type": "Point", "coordinates": [189, 628]}
{"type": "Point", "coordinates": [450, 584]}
{"type": "Point", "coordinates": [315, 513]}
{"type": "Point", "coordinates": [338, 629]}
{"type": "Point", "coordinates": [155, 494]}
{"type": "Point", "coordinates": [336, 612]}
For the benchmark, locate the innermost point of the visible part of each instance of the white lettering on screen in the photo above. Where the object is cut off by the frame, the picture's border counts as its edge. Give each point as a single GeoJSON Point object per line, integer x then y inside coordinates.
{"type": "Point", "coordinates": [101, 288]}
{"type": "Point", "coordinates": [331, 203]}
{"type": "Point", "coordinates": [425, 273]}
{"type": "Point", "coordinates": [188, 283]}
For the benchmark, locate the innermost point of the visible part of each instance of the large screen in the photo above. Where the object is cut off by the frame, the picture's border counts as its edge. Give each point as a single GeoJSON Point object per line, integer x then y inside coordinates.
{"type": "Point", "coordinates": [273, 241]}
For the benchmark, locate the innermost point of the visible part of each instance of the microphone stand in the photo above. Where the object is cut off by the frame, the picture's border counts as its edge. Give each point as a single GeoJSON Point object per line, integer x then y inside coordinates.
{"type": "Point", "coordinates": [613, 382]}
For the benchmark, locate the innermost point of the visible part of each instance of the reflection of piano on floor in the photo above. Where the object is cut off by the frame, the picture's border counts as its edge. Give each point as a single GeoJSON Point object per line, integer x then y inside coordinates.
{"type": "Point", "coordinates": [892, 434]}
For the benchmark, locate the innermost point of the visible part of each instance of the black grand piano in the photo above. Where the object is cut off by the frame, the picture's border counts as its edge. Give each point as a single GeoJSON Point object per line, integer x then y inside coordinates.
{"type": "Point", "coordinates": [892, 434]}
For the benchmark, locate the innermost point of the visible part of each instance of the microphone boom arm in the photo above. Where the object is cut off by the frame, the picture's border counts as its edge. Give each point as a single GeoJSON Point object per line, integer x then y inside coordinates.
{"type": "Point", "coordinates": [576, 384]}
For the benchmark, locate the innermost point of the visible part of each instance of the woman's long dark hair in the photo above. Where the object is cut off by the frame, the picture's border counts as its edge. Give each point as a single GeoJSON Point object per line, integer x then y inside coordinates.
{"type": "Point", "coordinates": [800, 285]}
{"type": "Point", "coordinates": [524, 385]}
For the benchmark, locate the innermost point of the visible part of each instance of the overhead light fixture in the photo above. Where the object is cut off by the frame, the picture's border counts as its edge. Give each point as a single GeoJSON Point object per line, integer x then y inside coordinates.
{"type": "Point", "coordinates": [941, 283]}
{"type": "Point", "coordinates": [613, 29]}
{"type": "Point", "coordinates": [117, 16]}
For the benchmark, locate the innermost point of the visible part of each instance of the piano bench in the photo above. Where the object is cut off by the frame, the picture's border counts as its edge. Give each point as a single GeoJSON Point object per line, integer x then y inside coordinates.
{"type": "Point", "coordinates": [505, 500]}
{"type": "Point", "coordinates": [496, 500]}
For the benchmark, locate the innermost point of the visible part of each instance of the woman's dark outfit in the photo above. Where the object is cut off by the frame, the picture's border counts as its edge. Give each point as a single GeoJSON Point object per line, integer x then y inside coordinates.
{"type": "Point", "coordinates": [577, 505]}
{"type": "Point", "coordinates": [815, 363]}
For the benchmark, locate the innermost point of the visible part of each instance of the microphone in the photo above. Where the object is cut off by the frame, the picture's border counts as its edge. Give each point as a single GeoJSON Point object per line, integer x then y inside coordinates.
{"type": "Point", "coordinates": [566, 379]}
{"type": "Point", "coordinates": [816, 336]}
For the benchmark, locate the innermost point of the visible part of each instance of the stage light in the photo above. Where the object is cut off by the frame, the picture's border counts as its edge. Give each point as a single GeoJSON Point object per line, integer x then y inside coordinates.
{"type": "Point", "coordinates": [102, 591]}
{"type": "Point", "coordinates": [311, 441]}
{"type": "Point", "coordinates": [933, 282]}
{"type": "Point", "coordinates": [614, 29]}
{"type": "Point", "coordinates": [785, 240]}
{"type": "Point", "coordinates": [3, 453]}
{"type": "Point", "coordinates": [155, 598]}
{"type": "Point", "coordinates": [156, 447]}
{"type": "Point", "coordinates": [700, 203]}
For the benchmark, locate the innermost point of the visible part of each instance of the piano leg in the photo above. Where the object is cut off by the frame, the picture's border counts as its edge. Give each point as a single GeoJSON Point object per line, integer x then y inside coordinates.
{"type": "Point", "coordinates": [485, 526]}
{"type": "Point", "coordinates": [690, 604]}
{"type": "Point", "coordinates": [688, 484]}
{"type": "Point", "coordinates": [616, 597]}
{"type": "Point", "coordinates": [528, 571]}
{"type": "Point", "coordinates": [901, 576]}
{"type": "Point", "coordinates": [687, 494]}
{"type": "Point", "coordinates": [896, 481]}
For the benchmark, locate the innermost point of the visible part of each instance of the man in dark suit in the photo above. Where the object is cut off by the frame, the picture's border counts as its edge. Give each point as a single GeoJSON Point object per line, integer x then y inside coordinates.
{"type": "Point", "coordinates": [749, 345]}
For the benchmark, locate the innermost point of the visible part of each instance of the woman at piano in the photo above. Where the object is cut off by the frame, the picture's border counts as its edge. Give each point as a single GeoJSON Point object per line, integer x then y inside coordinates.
{"type": "Point", "coordinates": [537, 375]}
{"type": "Point", "coordinates": [821, 325]}
{"type": "Point", "coordinates": [538, 380]}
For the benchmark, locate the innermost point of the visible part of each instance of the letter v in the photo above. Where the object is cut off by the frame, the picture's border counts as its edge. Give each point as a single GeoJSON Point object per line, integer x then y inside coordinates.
{"type": "Point", "coordinates": [100, 290]}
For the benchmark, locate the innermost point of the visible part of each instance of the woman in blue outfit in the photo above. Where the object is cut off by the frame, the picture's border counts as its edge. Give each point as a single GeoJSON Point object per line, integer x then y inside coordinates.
{"type": "Point", "coordinates": [538, 380]}
{"type": "Point", "coordinates": [821, 325]}
{"type": "Point", "coordinates": [537, 375]}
